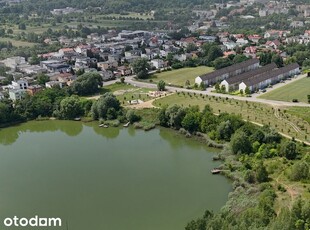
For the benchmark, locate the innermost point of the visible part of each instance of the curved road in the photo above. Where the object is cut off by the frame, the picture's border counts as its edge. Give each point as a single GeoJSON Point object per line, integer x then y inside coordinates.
{"type": "Point", "coordinates": [254, 98]}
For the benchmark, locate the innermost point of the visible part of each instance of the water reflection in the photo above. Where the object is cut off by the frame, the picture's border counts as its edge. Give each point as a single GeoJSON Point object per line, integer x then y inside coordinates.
{"type": "Point", "coordinates": [178, 141]}
{"type": "Point", "coordinates": [131, 131]}
{"type": "Point", "coordinates": [9, 135]}
{"type": "Point", "coordinates": [109, 133]}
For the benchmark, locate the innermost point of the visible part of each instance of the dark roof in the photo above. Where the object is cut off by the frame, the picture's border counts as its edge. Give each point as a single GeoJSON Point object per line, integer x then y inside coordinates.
{"type": "Point", "coordinates": [269, 75]}
{"type": "Point", "coordinates": [229, 69]}
{"type": "Point", "coordinates": [250, 74]}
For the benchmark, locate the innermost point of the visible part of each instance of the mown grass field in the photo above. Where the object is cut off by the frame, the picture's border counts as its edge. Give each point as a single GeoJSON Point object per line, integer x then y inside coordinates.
{"type": "Point", "coordinates": [254, 112]}
{"type": "Point", "coordinates": [295, 90]}
{"type": "Point", "coordinates": [180, 76]}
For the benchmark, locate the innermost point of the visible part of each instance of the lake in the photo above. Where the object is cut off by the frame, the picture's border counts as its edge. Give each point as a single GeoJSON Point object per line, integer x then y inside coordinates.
{"type": "Point", "coordinates": [106, 178]}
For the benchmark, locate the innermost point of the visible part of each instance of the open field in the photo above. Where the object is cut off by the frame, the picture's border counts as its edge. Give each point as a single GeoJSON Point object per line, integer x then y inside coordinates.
{"type": "Point", "coordinates": [296, 90]}
{"type": "Point", "coordinates": [259, 113]}
{"type": "Point", "coordinates": [17, 43]}
{"type": "Point", "coordinates": [180, 76]}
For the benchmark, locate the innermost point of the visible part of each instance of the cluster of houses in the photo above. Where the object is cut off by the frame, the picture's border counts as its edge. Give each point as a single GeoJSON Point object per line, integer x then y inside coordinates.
{"type": "Point", "coordinates": [248, 75]}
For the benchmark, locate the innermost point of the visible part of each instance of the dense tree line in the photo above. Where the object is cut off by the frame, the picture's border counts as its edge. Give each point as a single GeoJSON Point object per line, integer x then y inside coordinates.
{"type": "Point", "coordinates": [110, 6]}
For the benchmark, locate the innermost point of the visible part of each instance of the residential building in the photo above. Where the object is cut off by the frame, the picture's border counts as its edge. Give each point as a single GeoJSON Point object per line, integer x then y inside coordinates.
{"type": "Point", "coordinates": [20, 84]}
{"type": "Point", "coordinates": [52, 84]}
{"type": "Point", "coordinates": [158, 63]}
{"type": "Point", "coordinates": [232, 83]}
{"type": "Point", "coordinates": [14, 62]}
{"type": "Point", "coordinates": [227, 72]}
{"type": "Point", "coordinates": [33, 89]}
{"type": "Point", "coordinates": [16, 94]}
{"type": "Point", "coordinates": [269, 78]}
{"type": "Point", "coordinates": [107, 65]}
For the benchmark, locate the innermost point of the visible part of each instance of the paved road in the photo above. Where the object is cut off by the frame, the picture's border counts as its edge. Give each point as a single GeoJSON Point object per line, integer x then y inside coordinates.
{"type": "Point", "coordinates": [254, 98]}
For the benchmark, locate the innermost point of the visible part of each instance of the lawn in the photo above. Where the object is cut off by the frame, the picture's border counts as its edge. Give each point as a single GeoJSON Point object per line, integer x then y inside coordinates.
{"type": "Point", "coordinates": [254, 112]}
{"type": "Point", "coordinates": [17, 43]}
{"type": "Point", "coordinates": [125, 93]}
{"type": "Point", "coordinates": [180, 76]}
{"type": "Point", "coordinates": [295, 90]}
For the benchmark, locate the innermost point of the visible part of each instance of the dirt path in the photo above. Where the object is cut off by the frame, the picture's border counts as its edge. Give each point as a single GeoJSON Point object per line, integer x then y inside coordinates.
{"type": "Point", "coordinates": [277, 115]}
{"type": "Point", "coordinates": [289, 189]}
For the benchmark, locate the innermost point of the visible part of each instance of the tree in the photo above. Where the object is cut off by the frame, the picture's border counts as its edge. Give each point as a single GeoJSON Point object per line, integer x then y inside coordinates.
{"type": "Point", "coordinates": [300, 171]}
{"type": "Point", "coordinates": [174, 115]}
{"type": "Point", "coordinates": [217, 87]}
{"type": "Point", "coordinates": [265, 58]}
{"type": "Point", "coordinates": [107, 106]}
{"type": "Point", "coordinates": [22, 26]}
{"type": "Point", "coordinates": [141, 68]}
{"type": "Point", "coordinates": [132, 117]}
{"type": "Point", "coordinates": [289, 150]}
{"type": "Point", "coordinates": [261, 172]}
{"type": "Point", "coordinates": [240, 58]}
{"type": "Point", "coordinates": [240, 143]}
{"type": "Point", "coordinates": [191, 121]}
{"type": "Point", "coordinates": [214, 53]}
{"type": "Point", "coordinates": [87, 84]}
{"type": "Point", "coordinates": [191, 47]}
{"type": "Point", "coordinates": [225, 130]}
{"type": "Point", "coordinates": [247, 91]}
{"type": "Point", "coordinates": [42, 79]}
{"type": "Point", "coordinates": [70, 108]}
{"type": "Point", "coordinates": [34, 60]}
{"type": "Point", "coordinates": [161, 85]}
{"type": "Point", "coordinates": [278, 60]}
{"type": "Point", "coordinates": [220, 63]}
{"type": "Point", "coordinates": [203, 86]}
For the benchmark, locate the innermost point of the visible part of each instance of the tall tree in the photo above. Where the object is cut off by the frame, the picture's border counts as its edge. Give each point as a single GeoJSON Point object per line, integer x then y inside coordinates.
{"type": "Point", "coordinates": [141, 68]}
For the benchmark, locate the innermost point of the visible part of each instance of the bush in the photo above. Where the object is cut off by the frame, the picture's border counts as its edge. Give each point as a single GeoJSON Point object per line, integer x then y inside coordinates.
{"type": "Point", "coordinates": [132, 117]}
{"type": "Point", "coordinates": [300, 171]}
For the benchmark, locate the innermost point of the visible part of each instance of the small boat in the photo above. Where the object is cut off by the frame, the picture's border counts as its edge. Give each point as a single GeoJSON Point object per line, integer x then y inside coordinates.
{"type": "Point", "coordinates": [126, 125]}
{"type": "Point", "coordinates": [77, 119]}
{"type": "Point", "coordinates": [215, 171]}
{"type": "Point", "coordinates": [101, 125]}
{"type": "Point", "coordinates": [105, 126]}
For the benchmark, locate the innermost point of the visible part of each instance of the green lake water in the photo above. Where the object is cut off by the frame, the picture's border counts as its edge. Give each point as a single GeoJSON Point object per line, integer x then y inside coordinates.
{"type": "Point", "coordinates": [106, 178]}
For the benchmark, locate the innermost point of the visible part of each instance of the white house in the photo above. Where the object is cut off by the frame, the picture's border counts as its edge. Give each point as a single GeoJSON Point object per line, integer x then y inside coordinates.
{"type": "Point", "coordinates": [52, 84]}
{"type": "Point", "coordinates": [158, 63]}
{"type": "Point", "coordinates": [20, 84]}
{"type": "Point", "coordinates": [16, 94]}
